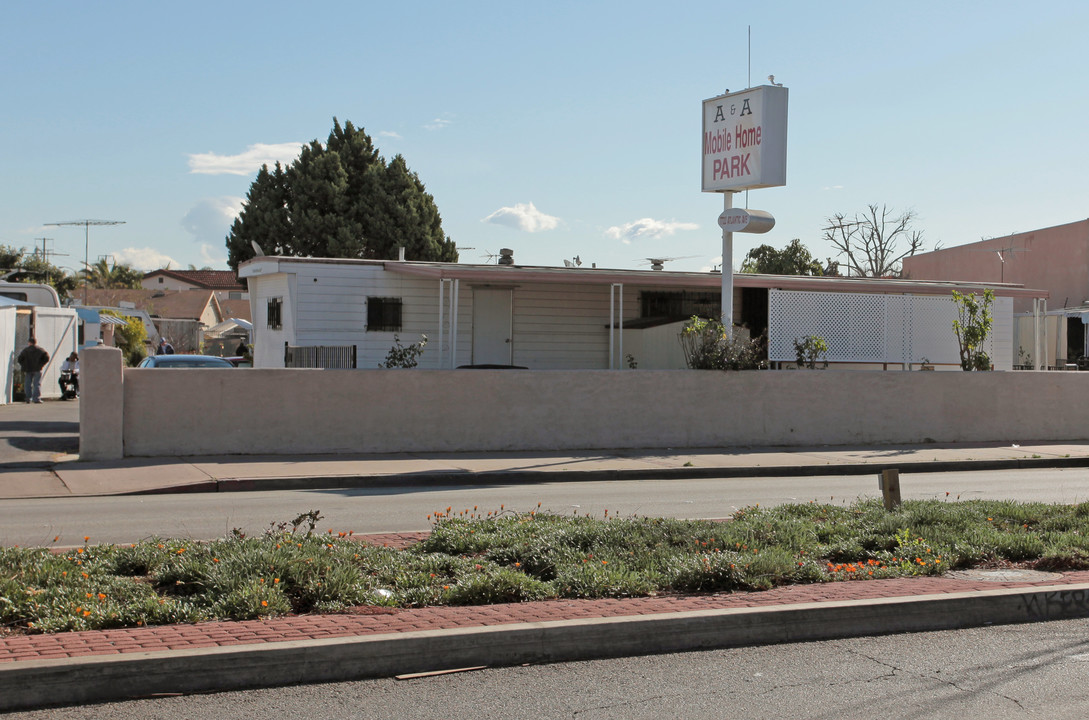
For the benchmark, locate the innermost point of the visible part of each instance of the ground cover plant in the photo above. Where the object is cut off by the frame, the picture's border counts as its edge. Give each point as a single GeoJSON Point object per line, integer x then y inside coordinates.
{"type": "Point", "coordinates": [473, 557]}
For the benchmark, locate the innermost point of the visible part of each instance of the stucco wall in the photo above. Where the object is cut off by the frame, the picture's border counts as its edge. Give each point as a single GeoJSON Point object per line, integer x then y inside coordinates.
{"type": "Point", "coordinates": [276, 411]}
{"type": "Point", "coordinates": [1055, 259]}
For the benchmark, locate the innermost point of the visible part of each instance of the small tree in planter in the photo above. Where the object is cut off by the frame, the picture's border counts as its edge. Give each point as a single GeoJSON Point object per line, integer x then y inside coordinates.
{"type": "Point", "coordinates": [972, 328]}
{"type": "Point", "coordinates": [404, 356]}
{"type": "Point", "coordinates": [811, 351]}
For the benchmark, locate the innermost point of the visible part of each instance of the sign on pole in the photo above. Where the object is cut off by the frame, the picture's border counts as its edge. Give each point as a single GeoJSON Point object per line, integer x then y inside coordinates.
{"type": "Point", "coordinates": [744, 139]}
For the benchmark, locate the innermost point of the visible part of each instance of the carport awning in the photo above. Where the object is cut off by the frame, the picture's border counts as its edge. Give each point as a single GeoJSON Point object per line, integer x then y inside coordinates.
{"type": "Point", "coordinates": [111, 320]}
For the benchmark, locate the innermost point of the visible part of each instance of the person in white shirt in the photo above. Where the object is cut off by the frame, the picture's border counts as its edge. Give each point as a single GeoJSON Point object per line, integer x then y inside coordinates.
{"type": "Point", "coordinates": [69, 378]}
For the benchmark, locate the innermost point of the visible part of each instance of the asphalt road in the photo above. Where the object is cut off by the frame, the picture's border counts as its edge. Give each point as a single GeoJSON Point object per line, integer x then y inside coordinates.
{"type": "Point", "coordinates": [1020, 671]}
{"type": "Point", "coordinates": [122, 519]}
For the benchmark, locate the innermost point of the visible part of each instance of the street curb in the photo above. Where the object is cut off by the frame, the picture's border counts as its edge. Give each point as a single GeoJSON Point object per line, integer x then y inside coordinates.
{"type": "Point", "coordinates": [463, 477]}
{"type": "Point", "coordinates": [40, 683]}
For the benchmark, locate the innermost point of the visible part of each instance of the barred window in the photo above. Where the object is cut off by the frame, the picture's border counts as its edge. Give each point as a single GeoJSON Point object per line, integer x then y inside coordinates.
{"type": "Point", "coordinates": [383, 314]}
{"type": "Point", "coordinates": [679, 305]}
{"type": "Point", "coordinates": [275, 313]}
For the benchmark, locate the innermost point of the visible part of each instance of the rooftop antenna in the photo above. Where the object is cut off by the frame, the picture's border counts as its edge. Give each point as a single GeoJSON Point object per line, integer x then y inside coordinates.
{"type": "Point", "coordinates": [659, 263]}
{"type": "Point", "coordinates": [87, 243]}
{"type": "Point", "coordinates": [489, 255]}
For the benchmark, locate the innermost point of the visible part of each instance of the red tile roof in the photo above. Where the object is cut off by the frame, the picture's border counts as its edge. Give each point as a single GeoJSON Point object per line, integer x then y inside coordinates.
{"type": "Point", "coordinates": [207, 279]}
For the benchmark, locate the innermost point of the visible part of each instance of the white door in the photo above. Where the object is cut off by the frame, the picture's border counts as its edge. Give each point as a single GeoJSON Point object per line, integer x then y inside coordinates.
{"type": "Point", "coordinates": [492, 326]}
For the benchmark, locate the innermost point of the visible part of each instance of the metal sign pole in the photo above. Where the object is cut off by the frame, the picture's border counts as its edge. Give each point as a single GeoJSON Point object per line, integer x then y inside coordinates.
{"type": "Point", "coordinates": [728, 270]}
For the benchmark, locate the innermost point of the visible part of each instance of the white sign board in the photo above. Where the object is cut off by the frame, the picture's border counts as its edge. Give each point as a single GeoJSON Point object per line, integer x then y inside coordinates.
{"type": "Point", "coordinates": [744, 140]}
{"type": "Point", "coordinates": [746, 221]}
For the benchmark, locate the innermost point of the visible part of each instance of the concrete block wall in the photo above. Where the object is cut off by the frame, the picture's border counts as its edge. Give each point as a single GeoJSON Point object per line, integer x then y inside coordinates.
{"type": "Point", "coordinates": [289, 411]}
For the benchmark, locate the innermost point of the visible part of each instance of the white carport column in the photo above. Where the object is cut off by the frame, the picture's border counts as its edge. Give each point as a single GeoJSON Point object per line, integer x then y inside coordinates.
{"type": "Point", "coordinates": [449, 338]}
{"type": "Point", "coordinates": [101, 404]}
{"type": "Point", "coordinates": [616, 296]}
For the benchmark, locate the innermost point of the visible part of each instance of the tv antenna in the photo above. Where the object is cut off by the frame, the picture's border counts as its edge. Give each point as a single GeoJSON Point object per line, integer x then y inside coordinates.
{"type": "Point", "coordinates": [87, 243]}
{"type": "Point", "coordinates": [659, 263]}
{"type": "Point", "coordinates": [489, 256]}
{"type": "Point", "coordinates": [1001, 253]}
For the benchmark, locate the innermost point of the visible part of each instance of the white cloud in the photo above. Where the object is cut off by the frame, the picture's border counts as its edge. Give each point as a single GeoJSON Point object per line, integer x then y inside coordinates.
{"type": "Point", "coordinates": [833, 187]}
{"type": "Point", "coordinates": [523, 216]}
{"type": "Point", "coordinates": [245, 163]}
{"type": "Point", "coordinates": [146, 259]}
{"type": "Point", "coordinates": [440, 122]}
{"type": "Point", "coordinates": [210, 219]}
{"type": "Point", "coordinates": [389, 134]}
{"type": "Point", "coordinates": [647, 229]}
{"type": "Point", "coordinates": [207, 258]}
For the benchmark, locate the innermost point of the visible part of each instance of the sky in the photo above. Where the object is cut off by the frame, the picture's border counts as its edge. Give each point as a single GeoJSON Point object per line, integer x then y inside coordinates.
{"type": "Point", "coordinates": [558, 130]}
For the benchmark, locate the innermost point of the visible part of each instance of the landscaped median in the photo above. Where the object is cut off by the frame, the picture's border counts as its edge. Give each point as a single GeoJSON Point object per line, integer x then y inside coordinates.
{"type": "Point", "coordinates": [474, 556]}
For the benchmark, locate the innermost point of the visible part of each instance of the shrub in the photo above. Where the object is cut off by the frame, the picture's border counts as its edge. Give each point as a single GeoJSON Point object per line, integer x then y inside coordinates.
{"type": "Point", "coordinates": [707, 346]}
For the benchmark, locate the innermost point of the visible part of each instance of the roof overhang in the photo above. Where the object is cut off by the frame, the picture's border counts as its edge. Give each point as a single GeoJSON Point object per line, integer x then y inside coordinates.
{"type": "Point", "coordinates": [526, 274]}
{"type": "Point", "coordinates": [500, 274]}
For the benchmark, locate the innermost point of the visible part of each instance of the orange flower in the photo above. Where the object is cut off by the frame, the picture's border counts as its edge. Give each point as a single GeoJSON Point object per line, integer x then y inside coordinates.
{"type": "Point", "coordinates": [264, 603]}
{"type": "Point", "coordinates": [101, 596]}
{"type": "Point", "coordinates": [86, 538]}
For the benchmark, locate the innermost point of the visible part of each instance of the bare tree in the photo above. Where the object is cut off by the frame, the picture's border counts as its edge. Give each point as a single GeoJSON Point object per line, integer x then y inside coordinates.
{"type": "Point", "coordinates": [874, 241]}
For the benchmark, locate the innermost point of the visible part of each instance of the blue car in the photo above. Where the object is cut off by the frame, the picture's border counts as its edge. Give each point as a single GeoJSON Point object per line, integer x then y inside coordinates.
{"type": "Point", "coordinates": [184, 361]}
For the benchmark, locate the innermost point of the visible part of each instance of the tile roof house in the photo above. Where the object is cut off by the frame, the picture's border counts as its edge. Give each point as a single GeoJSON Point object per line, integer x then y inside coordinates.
{"type": "Point", "coordinates": [219, 280]}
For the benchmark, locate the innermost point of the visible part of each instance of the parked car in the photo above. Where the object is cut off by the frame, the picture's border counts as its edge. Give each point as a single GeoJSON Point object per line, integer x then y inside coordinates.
{"type": "Point", "coordinates": [184, 361]}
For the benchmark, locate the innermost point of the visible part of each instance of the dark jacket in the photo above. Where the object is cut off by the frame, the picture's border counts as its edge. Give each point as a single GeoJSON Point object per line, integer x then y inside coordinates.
{"type": "Point", "coordinates": [33, 359]}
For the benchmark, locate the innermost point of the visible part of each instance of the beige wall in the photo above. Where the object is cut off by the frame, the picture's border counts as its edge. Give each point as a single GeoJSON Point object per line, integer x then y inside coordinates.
{"type": "Point", "coordinates": [1055, 259]}
{"type": "Point", "coordinates": [276, 411]}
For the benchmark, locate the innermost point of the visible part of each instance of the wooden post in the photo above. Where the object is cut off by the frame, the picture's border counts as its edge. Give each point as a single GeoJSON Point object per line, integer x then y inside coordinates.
{"type": "Point", "coordinates": [889, 482]}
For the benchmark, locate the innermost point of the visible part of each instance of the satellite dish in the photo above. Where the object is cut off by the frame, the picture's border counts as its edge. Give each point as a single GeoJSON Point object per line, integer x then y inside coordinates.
{"type": "Point", "coordinates": [567, 263]}
{"type": "Point", "coordinates": [257, 248]}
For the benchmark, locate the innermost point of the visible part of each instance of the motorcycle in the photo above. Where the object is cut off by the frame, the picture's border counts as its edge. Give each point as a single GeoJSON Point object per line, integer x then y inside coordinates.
{"type": "Point", "coordinates": [69, 384]}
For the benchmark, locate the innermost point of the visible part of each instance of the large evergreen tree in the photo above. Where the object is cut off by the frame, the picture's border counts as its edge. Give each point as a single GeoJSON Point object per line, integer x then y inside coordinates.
{"type": "Point", "coordinates": [339, 200]}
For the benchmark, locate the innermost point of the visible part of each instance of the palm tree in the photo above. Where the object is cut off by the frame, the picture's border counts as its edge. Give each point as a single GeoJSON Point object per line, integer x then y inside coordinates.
{"type": "Point", "coordinates": [103, 275]}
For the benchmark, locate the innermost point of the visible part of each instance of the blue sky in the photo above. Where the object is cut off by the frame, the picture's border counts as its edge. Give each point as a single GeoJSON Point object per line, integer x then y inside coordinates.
{"type": "Point", "coordinates": [554, 129]}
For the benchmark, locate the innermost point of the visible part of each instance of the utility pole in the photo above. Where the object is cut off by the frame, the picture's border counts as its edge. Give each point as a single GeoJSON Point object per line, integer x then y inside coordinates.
{"type": "Point", "coordinates": [87, 243]}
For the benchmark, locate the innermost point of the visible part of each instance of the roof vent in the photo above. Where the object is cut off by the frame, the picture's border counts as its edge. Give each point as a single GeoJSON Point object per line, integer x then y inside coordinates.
{"type": "Point", "coordinates": [506, 256]}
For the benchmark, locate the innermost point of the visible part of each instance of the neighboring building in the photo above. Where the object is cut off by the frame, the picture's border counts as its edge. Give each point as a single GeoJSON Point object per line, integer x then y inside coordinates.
{"type": "Point", "coordinates": [589, 318]}
{"type": "Point", "coordinates": [230, 292]}
{"type": "Point", "coordinates": [223, 281]}
{"type": "Point", "coordinates": [1055, 259]}
{"type": "Point", "coordinates": [181, 315]}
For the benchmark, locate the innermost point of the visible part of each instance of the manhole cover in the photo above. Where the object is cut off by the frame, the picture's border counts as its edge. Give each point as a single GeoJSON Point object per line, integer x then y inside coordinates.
{"type": "Point", "coordinates": [1004, 575]}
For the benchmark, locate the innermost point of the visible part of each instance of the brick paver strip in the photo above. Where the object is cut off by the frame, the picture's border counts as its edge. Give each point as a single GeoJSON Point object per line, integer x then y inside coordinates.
{"type": "Point", "coordinates": [15, 648]}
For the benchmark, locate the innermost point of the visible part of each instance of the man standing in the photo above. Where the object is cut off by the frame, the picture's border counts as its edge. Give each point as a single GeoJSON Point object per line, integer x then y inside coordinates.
{"type": "Point", "coordinates": [32, 359]}
{"type": "Point", "coordinates": [165, 348]}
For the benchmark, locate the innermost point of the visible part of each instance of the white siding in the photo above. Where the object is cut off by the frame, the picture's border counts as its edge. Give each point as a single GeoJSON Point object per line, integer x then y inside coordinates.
{"type": "Point", "coordinates": [1001, 351]}
{"type": "Point", "coordinates": [8, 352]}
{"type": "Point", "coordinates": [57, 332]}
{"type": "Point", "coordinates": [268, 350]}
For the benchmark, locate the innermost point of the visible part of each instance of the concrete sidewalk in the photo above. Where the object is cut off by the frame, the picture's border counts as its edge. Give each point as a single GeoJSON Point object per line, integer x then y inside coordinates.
{"type": "Point", "coordinates": [39, 448]}
{"type": "Point", "coordinates": [67, 476]}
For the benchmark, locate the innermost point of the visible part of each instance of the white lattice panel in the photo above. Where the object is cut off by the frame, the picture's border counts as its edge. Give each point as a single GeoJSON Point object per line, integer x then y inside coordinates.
{"type": "Point", "coordinates": [861, 327]}
{"type": "Point", "coordinates": [852, 324]}
{"type": "Point", "coordinates": [932, 330]}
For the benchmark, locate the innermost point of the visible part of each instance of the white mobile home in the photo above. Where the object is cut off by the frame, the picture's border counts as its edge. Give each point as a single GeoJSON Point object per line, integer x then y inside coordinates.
{"type": "Point", "coordinates": [548, 318]}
